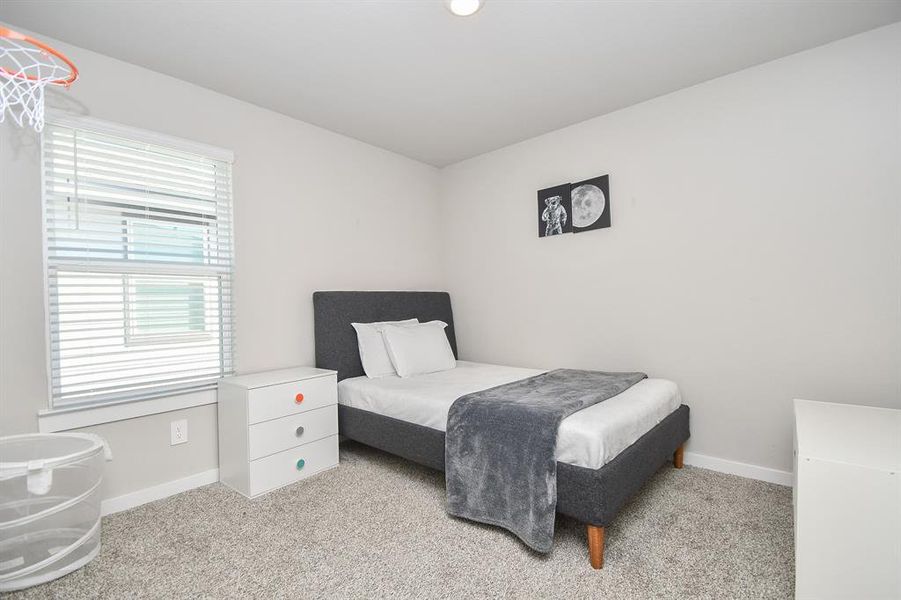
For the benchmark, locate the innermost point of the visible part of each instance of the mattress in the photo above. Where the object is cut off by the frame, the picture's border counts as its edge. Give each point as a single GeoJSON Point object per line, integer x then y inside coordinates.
{"type": "Point", "coordinates": [589, 438]}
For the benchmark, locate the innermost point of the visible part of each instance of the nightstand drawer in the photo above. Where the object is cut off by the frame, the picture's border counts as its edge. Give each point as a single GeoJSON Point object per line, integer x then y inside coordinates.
{"type": "Point", "coordinates": [293, 465]}
{"type": "Point", "coordinates": [276, 435]}
{"type": "Point", "coordinates": [274, 401]}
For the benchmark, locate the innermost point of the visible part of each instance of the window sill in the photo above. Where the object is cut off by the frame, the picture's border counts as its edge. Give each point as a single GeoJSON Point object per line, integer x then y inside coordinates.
{"type": "Point", "coordinates": [50, 420]}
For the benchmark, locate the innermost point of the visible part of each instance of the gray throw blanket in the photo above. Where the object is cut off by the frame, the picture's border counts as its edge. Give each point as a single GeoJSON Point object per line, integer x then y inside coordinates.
{"type": "Point", "coordinates": [499, 449]}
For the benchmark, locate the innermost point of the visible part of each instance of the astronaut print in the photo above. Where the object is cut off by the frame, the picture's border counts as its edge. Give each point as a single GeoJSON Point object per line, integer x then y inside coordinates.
{"type": "Point", "coordinates": [554, 211]}
{"type": "Point", "coordinates": [574, 207]}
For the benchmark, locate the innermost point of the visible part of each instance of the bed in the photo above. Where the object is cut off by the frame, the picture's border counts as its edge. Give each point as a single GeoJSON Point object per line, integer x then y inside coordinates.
{"type": "Point", "coordinates": [605, 453]}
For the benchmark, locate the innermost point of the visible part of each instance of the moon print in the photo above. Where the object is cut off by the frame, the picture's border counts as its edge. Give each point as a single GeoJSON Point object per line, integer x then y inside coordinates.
{"type": "Point", "coordinates": [588, 204]}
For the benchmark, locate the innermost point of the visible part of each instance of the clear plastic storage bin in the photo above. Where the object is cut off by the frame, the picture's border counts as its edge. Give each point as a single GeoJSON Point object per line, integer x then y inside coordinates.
{"type": "Point", "coordinates": [49, 505]}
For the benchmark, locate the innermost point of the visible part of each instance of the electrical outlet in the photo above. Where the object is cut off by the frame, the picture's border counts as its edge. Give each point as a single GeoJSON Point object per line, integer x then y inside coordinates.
{"type": "Point", "coordinates": [179, 431]}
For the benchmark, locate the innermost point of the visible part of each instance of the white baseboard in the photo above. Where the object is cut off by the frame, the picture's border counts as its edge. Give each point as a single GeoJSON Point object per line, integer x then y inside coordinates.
{"type": "Point", "coordinates": [158, 492]}
{"type": "Point", "coordinates": [170, 488]}
{"type": "Point", "coordinates": [738, 468]}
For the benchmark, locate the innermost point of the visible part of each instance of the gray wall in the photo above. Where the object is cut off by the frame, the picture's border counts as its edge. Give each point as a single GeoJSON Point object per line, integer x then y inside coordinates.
{"type": "Point", "coordinates": [755, 253]}
{"type": "Point", "coordinates": [313, 210]}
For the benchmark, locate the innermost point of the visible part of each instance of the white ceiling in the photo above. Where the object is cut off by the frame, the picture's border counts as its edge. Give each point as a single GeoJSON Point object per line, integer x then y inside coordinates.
{"type": "Point", "coordinates": [410, 77]}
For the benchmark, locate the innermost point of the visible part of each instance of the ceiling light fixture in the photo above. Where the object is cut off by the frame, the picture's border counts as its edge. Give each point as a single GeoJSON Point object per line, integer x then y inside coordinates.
{"type": "Point", "coordinates": [464, 8]}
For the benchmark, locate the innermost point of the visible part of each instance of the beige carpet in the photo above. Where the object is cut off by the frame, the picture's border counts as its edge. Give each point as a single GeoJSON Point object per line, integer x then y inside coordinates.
{"type": "Point", "coordinates": [375, 527]}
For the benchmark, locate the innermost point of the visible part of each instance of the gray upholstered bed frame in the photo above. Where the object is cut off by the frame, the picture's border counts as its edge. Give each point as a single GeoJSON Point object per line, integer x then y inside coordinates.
{"type": "Point", "coordinates": [593, 496]}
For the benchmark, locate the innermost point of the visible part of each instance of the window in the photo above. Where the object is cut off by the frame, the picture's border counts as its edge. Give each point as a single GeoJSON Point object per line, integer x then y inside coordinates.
{"type": "Point", "coordinates": [138, 234]}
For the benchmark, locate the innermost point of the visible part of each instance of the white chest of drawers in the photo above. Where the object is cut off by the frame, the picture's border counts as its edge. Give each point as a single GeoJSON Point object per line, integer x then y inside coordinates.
{"type": "Point", "coordinates": [276, 428]}
{"type": "Point", "coordinates": [847, 501]}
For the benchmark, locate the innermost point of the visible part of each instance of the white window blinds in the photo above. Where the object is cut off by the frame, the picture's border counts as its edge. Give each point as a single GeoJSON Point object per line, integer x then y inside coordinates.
{"type": "Point", "coordinates": [139, 267]}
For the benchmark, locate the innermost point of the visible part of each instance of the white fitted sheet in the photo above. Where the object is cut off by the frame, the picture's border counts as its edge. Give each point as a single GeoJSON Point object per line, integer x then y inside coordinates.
{"type": "Point", "coordinates": [589, 438]}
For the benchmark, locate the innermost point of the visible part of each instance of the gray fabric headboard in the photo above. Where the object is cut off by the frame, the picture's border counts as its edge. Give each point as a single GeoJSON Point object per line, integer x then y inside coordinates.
{"type": "Point", "coordinates": [333, 313]}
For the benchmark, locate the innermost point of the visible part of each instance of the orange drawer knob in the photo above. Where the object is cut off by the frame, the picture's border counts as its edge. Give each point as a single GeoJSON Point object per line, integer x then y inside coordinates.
{"type": "Point", "coordinates": [298, 398]}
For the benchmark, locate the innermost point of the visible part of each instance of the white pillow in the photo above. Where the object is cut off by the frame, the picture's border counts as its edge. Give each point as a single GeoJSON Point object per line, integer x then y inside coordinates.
{"type": "Point", "coordinates": [419, 349]}
{"type": "Point", "coordinates": [373, 353]}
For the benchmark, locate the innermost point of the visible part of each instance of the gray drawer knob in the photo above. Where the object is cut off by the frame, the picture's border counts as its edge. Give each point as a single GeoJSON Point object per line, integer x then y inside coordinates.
{"type": "Point", "coordinates": [299, 431]}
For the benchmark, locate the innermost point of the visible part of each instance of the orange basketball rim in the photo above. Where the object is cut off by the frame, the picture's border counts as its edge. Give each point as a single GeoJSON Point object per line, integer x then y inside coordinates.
{"type": "Point", "coordinates": [27, 66]}
{"type": "Point", "coordinates": [9, 34]}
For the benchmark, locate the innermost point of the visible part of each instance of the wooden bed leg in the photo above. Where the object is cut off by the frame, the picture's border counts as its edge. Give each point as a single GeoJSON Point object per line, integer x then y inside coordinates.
{"type": "Point", "coordinates": [678, 456]}
{"type": "Point", "coordinates": [596, 546]}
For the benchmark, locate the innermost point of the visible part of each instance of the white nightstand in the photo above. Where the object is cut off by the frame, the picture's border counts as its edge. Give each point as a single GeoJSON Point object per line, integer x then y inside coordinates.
{"type": "Point", "coordinates": [277, 427]}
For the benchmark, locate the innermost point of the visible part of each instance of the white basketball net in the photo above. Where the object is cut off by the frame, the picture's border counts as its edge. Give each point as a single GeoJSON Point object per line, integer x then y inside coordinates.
{"type": "Point", "coordinates": [26, 71]}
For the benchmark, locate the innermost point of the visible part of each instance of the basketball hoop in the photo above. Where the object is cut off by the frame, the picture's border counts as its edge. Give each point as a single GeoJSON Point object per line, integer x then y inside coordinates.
{"type": "Point", "coordinates": [27, 66]}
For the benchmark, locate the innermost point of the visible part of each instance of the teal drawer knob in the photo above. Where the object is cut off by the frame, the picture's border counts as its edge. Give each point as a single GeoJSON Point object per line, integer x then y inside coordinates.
{"type": "Point", "coordinates": [300, 463]}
